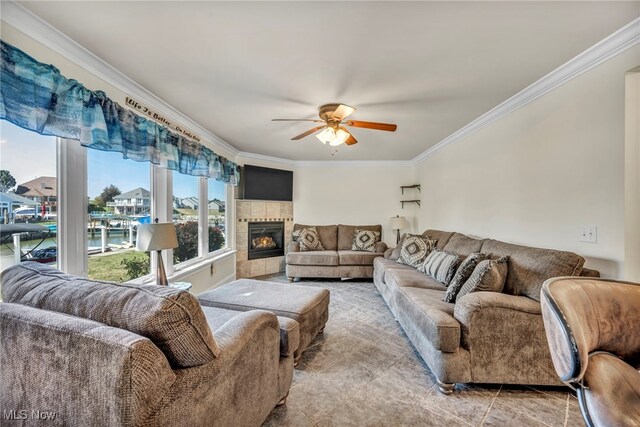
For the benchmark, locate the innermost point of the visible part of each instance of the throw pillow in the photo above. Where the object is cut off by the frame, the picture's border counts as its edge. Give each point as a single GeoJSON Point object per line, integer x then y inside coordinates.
{"type": "Point", "coordinates": [295, 234]}
{"type": "Point", "coordinates": [309, 240]}
{"type": "Point", "coordinates": [441, 266]}
{"type": "Point", "coordinates": [365, 240]}
{"type": "Point", "coordinates": [415, 249]}
{"type": "Point", "coordinates": [462, 274]}
{"type": "Point", "coordinates": [490, 275]}
{"type": "Point", "coordinates": [395, 254]}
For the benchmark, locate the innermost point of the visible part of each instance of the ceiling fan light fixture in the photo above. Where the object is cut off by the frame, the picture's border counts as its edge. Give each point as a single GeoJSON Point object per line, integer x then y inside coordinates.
{"type": "Point", "coordinates": [340, 138]}
{"type": "Point", "coordinates": [327, 135]}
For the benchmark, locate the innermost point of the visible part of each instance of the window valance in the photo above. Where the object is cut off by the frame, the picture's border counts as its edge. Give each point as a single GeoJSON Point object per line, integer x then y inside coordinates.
{"type": "Point", "coordinates": [37, 97]}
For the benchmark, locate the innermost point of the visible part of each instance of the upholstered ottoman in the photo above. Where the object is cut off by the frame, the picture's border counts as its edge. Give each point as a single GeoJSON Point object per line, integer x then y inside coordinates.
{"type": "Point", "coordinates": [308, 306]}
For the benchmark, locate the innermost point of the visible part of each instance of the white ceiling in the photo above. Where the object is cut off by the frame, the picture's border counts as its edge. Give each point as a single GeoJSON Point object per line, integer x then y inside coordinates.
{"type": "Point", "coordinates": [430, 67]}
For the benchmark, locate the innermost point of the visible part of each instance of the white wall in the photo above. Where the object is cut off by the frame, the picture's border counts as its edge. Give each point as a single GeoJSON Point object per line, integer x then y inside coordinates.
{"type": "Point", "coordinates": [632, 176]}
{"type": "Point", "coordinates": [536, 175]}
{"type": "Point", "coordinates": [352, 193]}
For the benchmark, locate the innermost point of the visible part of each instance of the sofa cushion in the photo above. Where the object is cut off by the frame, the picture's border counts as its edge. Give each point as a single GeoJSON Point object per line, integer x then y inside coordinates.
{"type": "Point", "coordinates": [347, 232]}
{"type": "Point", "coordinates": [313, 258]}
{"type": "Point", "coordinates": [309, 240]}
{"type": "Point", "coordinates": [488, 276]}
{"type": "Point", "coordinates": [410, 278]}
{"type": "Point", "coordinates": [170, 318]}
{"type": "Point", "coordinates": [441, 236]}
{"type": "Point", "coordinates": [425, 310]}
{"type": "Point", "coordinates": [462, 274]}
{"type": "Point", "coordinates": [328, 235]}
{"type": "Point", "coordinates": [462, 245]}
{"type": "Point", "coordinates": [357, 257]}
{"type": "Point", "coordinates": [530, 267]}
{"type": "Point", "coordinates": [381, 264]}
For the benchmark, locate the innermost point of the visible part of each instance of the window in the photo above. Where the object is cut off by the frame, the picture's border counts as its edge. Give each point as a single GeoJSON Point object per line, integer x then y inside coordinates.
{"type": "Point", "coordinates": [118, 202]}
{"type": "Point", "coordinates": [186, 189]}
{"type": "Point", "coordinates": [28, 195]}
{"type": "Point", "coordinates": [216, 197]}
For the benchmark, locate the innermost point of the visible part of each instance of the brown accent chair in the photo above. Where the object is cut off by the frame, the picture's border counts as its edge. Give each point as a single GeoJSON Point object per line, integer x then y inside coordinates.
{"type": "Point", "coordinates": [101, 353]}
{"type": "Point", "coordinates": [593, 330]}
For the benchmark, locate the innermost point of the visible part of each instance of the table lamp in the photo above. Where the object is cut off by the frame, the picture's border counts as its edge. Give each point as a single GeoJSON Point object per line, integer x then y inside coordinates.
{"type": "Point", "coordinates": [156, 237]}
{"type": "Point", "coordinates": [398, 223]}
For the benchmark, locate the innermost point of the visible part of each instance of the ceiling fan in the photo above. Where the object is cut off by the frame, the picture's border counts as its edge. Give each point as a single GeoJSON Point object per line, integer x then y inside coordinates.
{"type": "Point", "coordinates": [333, 119]}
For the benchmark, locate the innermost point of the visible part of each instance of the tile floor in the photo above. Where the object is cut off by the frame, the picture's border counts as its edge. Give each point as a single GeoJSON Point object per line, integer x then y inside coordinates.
{"type": "Point", "coordinates": [363, 371]}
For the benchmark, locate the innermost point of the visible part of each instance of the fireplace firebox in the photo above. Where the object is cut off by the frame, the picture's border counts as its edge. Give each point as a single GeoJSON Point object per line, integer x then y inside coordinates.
{"type": "Point", "coordinates": [266, 239]}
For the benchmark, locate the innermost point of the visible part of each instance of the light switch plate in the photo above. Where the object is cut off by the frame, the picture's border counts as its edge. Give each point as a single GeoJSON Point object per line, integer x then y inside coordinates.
{"type": "Point", "coordinates": [589, 233]}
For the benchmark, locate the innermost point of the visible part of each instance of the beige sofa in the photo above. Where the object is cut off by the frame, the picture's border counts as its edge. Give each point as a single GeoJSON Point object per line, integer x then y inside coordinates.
{"type": "Point", "coordinates": [98, 353]}
{"type": "Point", "coordinates": [337, 260]}
{"type": "Point", "coordinates": [485, 337]}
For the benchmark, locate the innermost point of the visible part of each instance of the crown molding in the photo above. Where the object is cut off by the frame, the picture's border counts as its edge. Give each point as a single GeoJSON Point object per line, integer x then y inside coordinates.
{"type": "Point", "coordinates": [41, 31]}
{"type": "Point", "coordinates": [243, 155]}
{"type": "Point", "coordinates": [351, 163]}
{"type": "Point", "coordinates": [616, 43]}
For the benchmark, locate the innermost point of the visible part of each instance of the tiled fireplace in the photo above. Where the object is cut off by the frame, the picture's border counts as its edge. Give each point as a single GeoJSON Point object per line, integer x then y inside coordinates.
{"type": "Point", "coordinates": [267, 227]}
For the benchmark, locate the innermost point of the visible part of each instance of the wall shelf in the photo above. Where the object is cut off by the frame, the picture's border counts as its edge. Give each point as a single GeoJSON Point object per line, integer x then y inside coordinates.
{"type": "Point", "coordinates": [409, 201]}
{"type": "Point", "coordinates": [402, 187]}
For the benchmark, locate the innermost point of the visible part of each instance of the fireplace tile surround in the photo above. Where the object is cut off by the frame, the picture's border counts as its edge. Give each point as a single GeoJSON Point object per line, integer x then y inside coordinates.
{"type": "Point", "coordinates": [260, 211]}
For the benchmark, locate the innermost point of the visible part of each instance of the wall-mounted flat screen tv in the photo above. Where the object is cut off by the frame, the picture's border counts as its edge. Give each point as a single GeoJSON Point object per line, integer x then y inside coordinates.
{"type": "Point", "coordinates": [261, 183]}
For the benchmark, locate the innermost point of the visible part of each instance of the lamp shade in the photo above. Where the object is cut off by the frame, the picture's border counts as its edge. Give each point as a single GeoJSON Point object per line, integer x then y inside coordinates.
{"type": "Point", "coordinates": [156, 237]}
{"type": "Point", "coordinates": [398, 223]}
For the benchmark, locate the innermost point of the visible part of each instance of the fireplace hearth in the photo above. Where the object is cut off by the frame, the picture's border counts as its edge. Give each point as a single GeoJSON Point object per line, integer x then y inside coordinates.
{"type": "Point", "coordinates": [266, 239]}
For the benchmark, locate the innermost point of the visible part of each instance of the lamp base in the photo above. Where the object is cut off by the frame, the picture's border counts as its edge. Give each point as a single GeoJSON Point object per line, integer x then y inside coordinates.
{"type": "Point", "coordinates": [161, 276]}
{"type": "Point", "coordinates": [398, 237]}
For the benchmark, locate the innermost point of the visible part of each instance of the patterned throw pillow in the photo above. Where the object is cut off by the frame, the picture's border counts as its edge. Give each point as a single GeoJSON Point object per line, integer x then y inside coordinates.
{"type": "Point", "coordinates": [441, 266]}
{"type": "Point", "coordinates": [415, 249]}
{"type": "Point", "coordinates": [309, 240]}
{"type": "Point", "coordinates": [490, 275]}
{"type": "Point", "coordinates": [462, 274]}
{"type": "Point", "coordinates": [295, 234]}
{"type": "Point", "coordinates": [365, 240]}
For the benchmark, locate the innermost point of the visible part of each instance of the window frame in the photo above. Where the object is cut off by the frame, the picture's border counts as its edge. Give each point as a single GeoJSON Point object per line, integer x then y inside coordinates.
{"type": "Point", "coordinates": [72, 208]}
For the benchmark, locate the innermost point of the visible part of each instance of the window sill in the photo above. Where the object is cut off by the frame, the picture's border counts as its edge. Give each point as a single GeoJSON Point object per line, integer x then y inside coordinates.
{"type": "Point", "coordinates": [189, 267]}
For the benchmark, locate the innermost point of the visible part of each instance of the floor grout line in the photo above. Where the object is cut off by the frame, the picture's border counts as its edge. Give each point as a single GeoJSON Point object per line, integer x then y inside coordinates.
{"type": "Point", "coordinates": [486, 415]}
{"type": "Point", "coordinates": [566, 411]}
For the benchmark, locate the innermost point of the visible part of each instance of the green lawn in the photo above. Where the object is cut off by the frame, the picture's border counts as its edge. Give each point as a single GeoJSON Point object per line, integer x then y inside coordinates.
{"type": "Point", "coordinates": [109, 267]}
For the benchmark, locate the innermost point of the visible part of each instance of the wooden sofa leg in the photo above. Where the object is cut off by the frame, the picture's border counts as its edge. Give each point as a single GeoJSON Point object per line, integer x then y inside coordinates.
{"type": "Point", "coordinates": [446, 388]}
{"type": "Point", "coordinates": [296, 361]}
{"type": "Point", "coordinates": [283, 401]}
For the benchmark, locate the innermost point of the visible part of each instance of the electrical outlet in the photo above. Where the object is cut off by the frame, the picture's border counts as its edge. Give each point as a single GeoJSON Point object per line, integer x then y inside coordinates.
{"type": "Point", "coordinates": [589, 233]}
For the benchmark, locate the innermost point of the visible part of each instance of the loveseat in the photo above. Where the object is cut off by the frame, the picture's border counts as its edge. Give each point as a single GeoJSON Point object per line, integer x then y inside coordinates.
{"type": "Point", "coordinates": [100, 353]}
{"type": "Point", "coordinates": [485, 337]}
{"type": "Point", "coordinates": [337, 260]}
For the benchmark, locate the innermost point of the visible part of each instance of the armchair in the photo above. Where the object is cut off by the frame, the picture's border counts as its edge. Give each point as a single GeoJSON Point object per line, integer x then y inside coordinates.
{"type": "Point", "coordinates": [592, 328]}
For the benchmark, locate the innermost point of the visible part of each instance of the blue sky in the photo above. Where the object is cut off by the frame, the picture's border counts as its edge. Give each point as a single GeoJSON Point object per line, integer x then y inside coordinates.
{"type": "Point", "coordinates": [28, 155]}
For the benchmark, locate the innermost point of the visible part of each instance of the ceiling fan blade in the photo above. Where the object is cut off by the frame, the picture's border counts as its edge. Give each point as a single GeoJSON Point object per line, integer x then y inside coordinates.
{"type": "Point", "coordinates": [307, 133]}
{"type": "Point", "coordinates": [351, 140]}
{"type": "Point", "coordinates": [296, 120]}
{"type": "Point", "coordinates": [342, 112]}
{"type": "Point", "coordinates": [372, 125]}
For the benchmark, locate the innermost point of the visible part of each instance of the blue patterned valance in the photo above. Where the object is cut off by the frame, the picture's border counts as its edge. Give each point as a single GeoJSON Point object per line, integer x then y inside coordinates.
{"type": "Point", "coordinates": [37, 97]}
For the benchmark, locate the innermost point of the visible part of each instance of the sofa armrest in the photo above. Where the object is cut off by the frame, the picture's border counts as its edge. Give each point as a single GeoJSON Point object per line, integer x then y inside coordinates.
{"type": "Point", "coordinates": [381, 247]}
{"type": "Point", "coordinates": [293, 247]}
{"type": "Point", "coordinates": [388, 252]}
{"type": "Point", "coordinates": [247, 329]}
{"type": "Point", "coordinates": [503, 331]}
